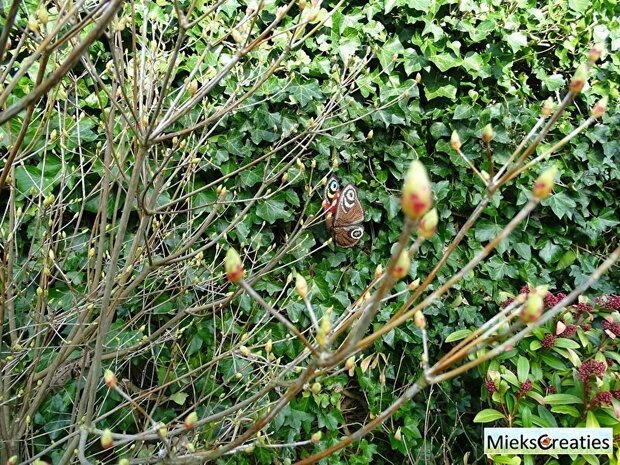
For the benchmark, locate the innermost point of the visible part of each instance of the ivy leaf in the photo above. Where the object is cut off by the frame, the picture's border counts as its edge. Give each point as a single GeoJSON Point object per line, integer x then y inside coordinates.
{"type": "Point", "coordinates": [447, 91]}
{"type": "Point", "coordinates": [392, 48]}
{"type": "Point", "coordinates": [42, 177]}
{"type": "Point", "coordinates": [516, 40]}
{"type": "Point", "coordinates": [272, 210]}
{"type": "Point", "coordinates": [524, 250]}
{"type": "Point", "coordinates": [551, 252]}
{"type": "Point", "coordinates": [462, 111]}
{"type": "Point", "coordinates": [445, 61]}
{"type": "Point", "coordinates": [580, 6]}
{"type": "Point", "coordinates": [305, 93]}
{"type": "Point", "coordinates": [566, 260]}
{"type": "Point", "coordinates": [485, 231]}
{"type": "Point", "coordinates": [179, 397]}
{"type": "Point", "coordinates": [561, 204]}
{"type": "Point", "coordinates": [422, 5]}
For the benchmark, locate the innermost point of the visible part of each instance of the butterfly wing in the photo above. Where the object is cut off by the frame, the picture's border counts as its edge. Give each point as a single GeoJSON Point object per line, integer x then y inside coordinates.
{"type": "Point", "coordinates": [349, 210]}
{"type": "Point", "coordinates": [329, 223]}
{"type": "Point", "coordinates": [347, 236]}
{"type": "Point", "coordinates": [330, 198]}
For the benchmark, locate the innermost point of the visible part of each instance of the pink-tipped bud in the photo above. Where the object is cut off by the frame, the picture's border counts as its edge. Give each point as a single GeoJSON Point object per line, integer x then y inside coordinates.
{"type": "Point", "coordinates": [428, 224]}
{"type": "Point", "coordinates": [301, 286]}
{"type": "Point", "coordinates": [579, 79]}
{"type": "Point", "coordinates": [106, 439]}
{"type": "Point", "coordinates": [533, 308]}
{"type": "Point", "coordinates": [419, 320]}
{"type": "Point", "coordinates": [233, 266]}
{"type": "Point", "coordinates": [402, 265]}
{"type": "Point", "coordinates": [190, 420]}
{"type": "Point", "coordinates": [12, 460]}
{"type": "Point", "coordinates": [541, 290]}
{"type": "Point", "coordinates": [316, 437]}
{"type": "Point", "coordinates": [455, 140]}
{"type": "Point", "coordinates": [109, 378]}
{"type": "Point", "coordinates": [600, 107]}
{"type": "Point", "coordinates": [378, 271]}
{"type": "Point", "coordinates": [547, 107]}
{"type": "Point", "coordinates": [417, 197]}
{"type": "Point", "coordinates": [413, 285]}
{"type": "Point", "coordinates": [544, 184]}
{"type": "Point", "coordinates": [350, 363]}
{"type": "Point", "coordinates": [487, 134]}
{"type": "Point", "coordinates": [595, 53]}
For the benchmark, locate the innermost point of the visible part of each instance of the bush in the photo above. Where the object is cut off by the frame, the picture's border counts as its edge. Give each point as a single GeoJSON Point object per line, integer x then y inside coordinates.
{"type": "Point", "coordinates": [565, 374]}
{"type": "Point", "coordinates": [147, 139]}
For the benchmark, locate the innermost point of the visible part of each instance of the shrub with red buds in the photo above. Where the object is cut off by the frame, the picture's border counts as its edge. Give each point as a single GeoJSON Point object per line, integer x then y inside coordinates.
{"type": "Point", "coordinates": [547, 107]}
{"type": "Point", "coordinates": [402, 265]}
{"type": "Point", "coordinates": [233, 266]}
{"type": "Point", "coordinates": [106, 439]}
{"type": "Point", "coordinates": [600, 107]}
{"type": "Point", "coordinates": [190, 420]}
{"type": "Point", "coordinates": [109, 378]}
{"type": "Point", "coordinates": [487, 134]}
{"type": "Point", "coordinates": [428, 224]}
{"type": "Point", "coordinates": [533, 308]}
{"type": "Point", "coordinates": [544, 184]}
{"type": "Point", "coordinates": [417, 196]}
{"type": "Point", "coordinates": [595, 53]}
{"type": "Point", "coordinates": [301, 286]}
{"type": "Point", "coordinates": [455, 141]}
{"type": "Point", "coordinates": [579, 79]}
{"type": "Point", "coordinates": [419, 320]}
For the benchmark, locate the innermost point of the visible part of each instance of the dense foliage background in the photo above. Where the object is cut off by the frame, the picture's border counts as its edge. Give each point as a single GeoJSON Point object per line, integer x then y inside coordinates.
{"type": "Point", "coordinates": [432, 67]}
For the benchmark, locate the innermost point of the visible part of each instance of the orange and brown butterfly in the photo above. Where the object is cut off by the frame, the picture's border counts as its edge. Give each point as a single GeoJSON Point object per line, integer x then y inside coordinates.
{"type": "Point", "coordinates": [344, 213]}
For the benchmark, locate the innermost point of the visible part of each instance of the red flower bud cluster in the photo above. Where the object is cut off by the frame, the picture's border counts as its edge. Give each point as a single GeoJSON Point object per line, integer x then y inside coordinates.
{"type": "Point", "coordinates": [552, 299]}
{"type": "Point", "coordinates": [591, 367]}
{"type": "Point", "coordinates": [551, 390]}
{"type": "Point", "coordinates": [612, 326]}
{"type": "Point", "coordinates": [491, 387]}
{"type": "Point", "coordinates": [548, 341]}
{"type": "Point", "coordinates": [608, 302]}
{"type": "Point", "coordinates": [603, 398]}
{"type": "Point", "coordinates": [583, 307]}
{"type": "Point", "coordinates": [569, 331]}
{"type": "Point", "coordinates": [616, 393]}
{"type": "Point", "coordinates": [524, 388]}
